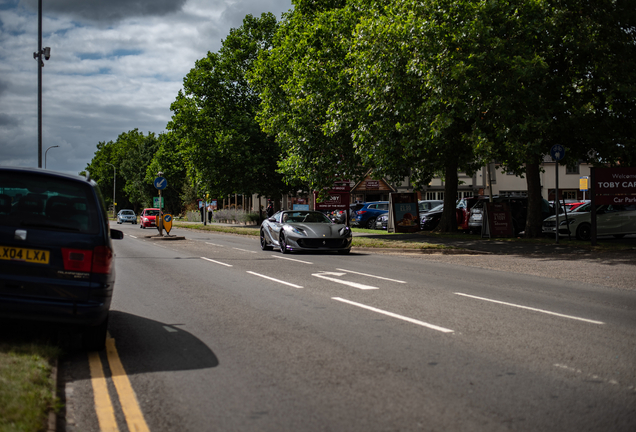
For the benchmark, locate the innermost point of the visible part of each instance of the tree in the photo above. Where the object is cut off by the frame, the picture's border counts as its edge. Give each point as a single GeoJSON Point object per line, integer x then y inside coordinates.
{"type": "Point", "coordinates": [214, 118]}
{"type": "Point", "coordinates": [304, 88]}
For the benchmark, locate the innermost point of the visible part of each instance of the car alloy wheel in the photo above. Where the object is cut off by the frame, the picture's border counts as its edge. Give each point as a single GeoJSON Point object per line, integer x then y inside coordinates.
{"type": "Point", "coordinates": [371, 223]}
{"type": "Point", "coordinates": [283, 245]}
{"type": "Point", "coordinates": [264, 245]}
{"type": "Point", "coordinates": [584, 231]}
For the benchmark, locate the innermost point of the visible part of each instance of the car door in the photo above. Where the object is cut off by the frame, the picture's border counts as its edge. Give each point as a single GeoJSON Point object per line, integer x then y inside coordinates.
{"type": "Point", "coordinates": [609, 222]}
{"type": "Point", "coordinates": [275, 227]}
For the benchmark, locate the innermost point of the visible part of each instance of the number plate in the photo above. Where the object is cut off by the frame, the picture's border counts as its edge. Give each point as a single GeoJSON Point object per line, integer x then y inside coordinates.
{"type": "Point", "coordinates": [26, 255]}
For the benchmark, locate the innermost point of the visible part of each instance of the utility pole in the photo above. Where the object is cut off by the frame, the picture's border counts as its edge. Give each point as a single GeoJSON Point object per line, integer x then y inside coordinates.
{"type": "Point", "coordinates": [46, 52]}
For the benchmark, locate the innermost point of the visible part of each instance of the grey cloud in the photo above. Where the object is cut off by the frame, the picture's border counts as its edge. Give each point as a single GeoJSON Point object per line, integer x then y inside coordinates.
{"type": "Point", "coordinates": [108, 11]}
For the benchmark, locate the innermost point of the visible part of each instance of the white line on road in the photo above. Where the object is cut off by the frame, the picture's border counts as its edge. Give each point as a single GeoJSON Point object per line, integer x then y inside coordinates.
{"type": "Point", "coordinates": [532, 309]}
{"type": "Point", "coordinates": [131, 236]}
{"type": "Point", "coordinates": [216, 262]}
{"type": "Point", "coordinates": [170, 329]}
{"type": "Point", "coordinates": [275, 280]}
{"type": "Point", "coordinates": [391, 314]}
{"type": "Point", "coordinates": [214, 244]}
{"type": "Point", "coordinates": [291, 259]}
{"type": "Point", "coordinates": [244, 250]}
{"type": "Point", "coordinates": [340, 281]}
{"type": "Point", "coordinates": [373, 276]}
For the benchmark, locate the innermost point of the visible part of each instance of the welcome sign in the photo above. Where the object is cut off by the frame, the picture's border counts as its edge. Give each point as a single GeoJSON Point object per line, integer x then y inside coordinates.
{"type": "Point", "coordinates": [615, 185]}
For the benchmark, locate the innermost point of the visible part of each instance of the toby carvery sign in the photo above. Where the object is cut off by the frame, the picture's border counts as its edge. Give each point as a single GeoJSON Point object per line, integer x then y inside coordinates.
{"type": "Point", "coordinates": [615, 185]}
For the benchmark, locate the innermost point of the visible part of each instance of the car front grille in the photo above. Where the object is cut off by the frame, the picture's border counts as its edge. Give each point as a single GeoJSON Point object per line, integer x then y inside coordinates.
{"type": "Point", "coordinates": [321, 243]}
{"type": "Point", "coordinates": [549, 224]}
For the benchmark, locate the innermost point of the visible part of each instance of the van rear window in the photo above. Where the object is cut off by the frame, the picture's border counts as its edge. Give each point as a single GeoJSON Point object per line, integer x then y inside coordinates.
{"type": "Point", "coordinates": [43, 202]}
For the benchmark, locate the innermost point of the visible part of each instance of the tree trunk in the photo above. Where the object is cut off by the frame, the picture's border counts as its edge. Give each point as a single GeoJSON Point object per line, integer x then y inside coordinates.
{"type": "Point", "coordinates": [534, 218]}
{"type": "Point", "coordinates": [448, 223]}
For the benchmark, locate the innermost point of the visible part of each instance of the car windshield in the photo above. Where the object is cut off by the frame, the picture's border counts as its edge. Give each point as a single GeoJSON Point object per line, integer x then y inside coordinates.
{"type": "Point", "coordinates": [305, 217]}
{"type": "Point", "coordinates": [28, 200]}
{"type": "Point", "coordinates": [152, 212]}
{"type": "Point", "coordinates": [438, 208]}
{"type": "Point", "coordinates": [127, 212]}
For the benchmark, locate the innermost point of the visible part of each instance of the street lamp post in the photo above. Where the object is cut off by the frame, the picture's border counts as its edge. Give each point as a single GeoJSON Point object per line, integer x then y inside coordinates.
{"type": "Point", "coordinates": [47, 150]}
{"type": "Point", "coordinates": [114, 182]}
{"type": "Point", "coordinates": [46, 52]}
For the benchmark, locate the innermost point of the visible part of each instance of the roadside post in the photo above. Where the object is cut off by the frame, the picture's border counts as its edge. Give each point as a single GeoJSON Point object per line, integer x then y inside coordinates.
{"type": "Point", "coordinates": [160, 184]}
{"type": "Point", "coordinates": [557, 152]}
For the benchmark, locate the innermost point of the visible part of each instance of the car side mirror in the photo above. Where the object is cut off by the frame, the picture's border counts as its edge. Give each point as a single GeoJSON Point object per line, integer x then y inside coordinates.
{"type": "Point", "coordinates": [272, 219]}
{"type": "Point", "coordinates": [116, 234]}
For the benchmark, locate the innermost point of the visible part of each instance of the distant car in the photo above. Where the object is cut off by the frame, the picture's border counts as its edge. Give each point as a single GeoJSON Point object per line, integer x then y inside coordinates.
{"type": "Point", "coordinates": [366, 216]}
{"type": "Point", "coordinates": [464, 208]}
{"type": "Point", "coordinates": [430, 219]}
{"type": "Point", "coordinates": [56, 257]}
{"type": "Point", "coordinates": [126, 216]}
{"type": "Point", "coordinates": [382, 221]}
{"type": "Point", "coordinates": [428, 205]}
{"type": "Point", "coordinates": [303, 230]}
{"type": "Point", "coordinates": [148, 217]}
{"type": "Point", "coordinates": [615, 220]}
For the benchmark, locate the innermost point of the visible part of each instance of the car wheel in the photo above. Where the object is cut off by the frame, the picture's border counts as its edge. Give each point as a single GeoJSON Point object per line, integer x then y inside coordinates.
{"type": "Point", "coordinates": [283, 245]}
{"type": "Point", "coordinates": [94, 338]}
{"type": "Point", "coordinates": [264, 245]}
{"type": "Point", "coordinates": [584, 231]}
{"type": "Point", "coordinates": [344, 252]}
{"type": "Point", "coordinates": [371, 223]}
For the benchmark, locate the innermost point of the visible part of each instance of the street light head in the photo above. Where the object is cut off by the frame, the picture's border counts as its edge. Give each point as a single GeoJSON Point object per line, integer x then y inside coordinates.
{"type": "Point", "coordinates": [47, 53]}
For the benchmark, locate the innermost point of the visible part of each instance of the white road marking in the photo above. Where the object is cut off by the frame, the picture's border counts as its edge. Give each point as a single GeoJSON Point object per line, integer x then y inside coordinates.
{"type": "Point", "coordinates": [216, 262]}
{"type": "Point", "coordinates": [532, 309]}
{"type": "Point", "coordinates": [292, 259]}
{"type": "Point", "coordinates": [214, 244]}
{"type": "Point", "coordinates": [131, 236]}
{"type": "Point", "coordinates": [340, 281]}
{"type": "Point", "coordinates": [393, 315]}
{"type": "Point", "coordinates": [275, 280]}
{"type": "Point", "coordinates": [170, 329]}
{"type": "Point", "coordinates": [244, 250]}
{"type": "Point", "coordinates": [373, 276]}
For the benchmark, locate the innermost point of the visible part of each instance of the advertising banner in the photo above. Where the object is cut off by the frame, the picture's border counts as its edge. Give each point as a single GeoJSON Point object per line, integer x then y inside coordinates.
{"type": "Point", "coordinates": [497, 222]}
{"type": "Point", "coordinates": [404, 216]}
{"type": "Point", "coordinates": [338, 199]}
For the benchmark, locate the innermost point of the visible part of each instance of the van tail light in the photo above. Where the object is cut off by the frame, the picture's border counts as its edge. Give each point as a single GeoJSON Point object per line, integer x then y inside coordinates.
{"type": "Point", "coordinates": [102, 259]}
{"type": "Point", "coordinates": [98, 260]}
{"type": "Point", "coordinates": [79, 260]}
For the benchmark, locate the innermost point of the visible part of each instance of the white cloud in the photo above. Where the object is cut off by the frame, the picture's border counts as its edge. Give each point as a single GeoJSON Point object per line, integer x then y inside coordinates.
{"type": "Point", "coordinates": [108, 73]}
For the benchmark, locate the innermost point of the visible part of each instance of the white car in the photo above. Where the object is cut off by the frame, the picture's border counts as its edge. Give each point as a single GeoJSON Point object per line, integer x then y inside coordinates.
{"type": "Point", "coordinates": [616, 220]}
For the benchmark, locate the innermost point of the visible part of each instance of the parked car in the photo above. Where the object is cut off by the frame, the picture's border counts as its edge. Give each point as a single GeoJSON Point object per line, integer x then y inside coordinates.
{"type": "Point", "coordinates": [366, 216]}
{"type": "Point", "coordinates": [616, 220]}
{"type": "Point", "coordinates": [56, 256]}
{"type": "Point", "coordinates": [148, 217]}
{"type": "Point", "coordinates": [428, 205]}
{"type": "Point", "coordinates": [430, 220]}
{"type": "Point", "coordinates": [303, 230]}
{"type": "Point", "coordinates": [382, 221]}
{"type": "Point", "coordinates": [126, 216]}
{"type": "Point", "coordinates": [464, 208]}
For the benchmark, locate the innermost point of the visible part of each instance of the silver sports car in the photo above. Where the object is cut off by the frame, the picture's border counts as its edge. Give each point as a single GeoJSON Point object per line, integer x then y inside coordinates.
{"type": "Point", "coordinates": [301, 230]}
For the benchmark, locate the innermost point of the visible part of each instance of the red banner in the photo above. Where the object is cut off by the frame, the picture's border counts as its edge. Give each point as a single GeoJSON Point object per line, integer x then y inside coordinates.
{"type": "Point", "coordinates": [615, 185]}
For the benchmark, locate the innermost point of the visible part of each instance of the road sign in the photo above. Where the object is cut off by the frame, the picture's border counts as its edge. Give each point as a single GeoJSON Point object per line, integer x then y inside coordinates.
{"type": "Point", "coordinates": [160, 183]}
{"type": "Point", "coordinates": [557, 152]}
{"type": "Point", "coordinates": [167, 222]}
{"type": "Point", "coordinates": [157, 202]}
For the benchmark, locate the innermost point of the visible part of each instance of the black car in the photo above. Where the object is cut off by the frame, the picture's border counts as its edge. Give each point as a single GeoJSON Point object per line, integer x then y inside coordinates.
{"type": "Point", "coordinates": [56, 256]}
{"type": "Point", "coordinates": [430, 220]}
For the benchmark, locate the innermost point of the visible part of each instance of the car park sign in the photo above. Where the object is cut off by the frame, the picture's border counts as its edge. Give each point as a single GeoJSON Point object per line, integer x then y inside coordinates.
{"type": "Point", "coordinates": [614, 185]}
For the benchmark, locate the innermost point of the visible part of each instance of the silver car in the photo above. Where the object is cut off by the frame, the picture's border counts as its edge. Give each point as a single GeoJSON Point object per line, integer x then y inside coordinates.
{"type": "Point", "coordinates": [126, 216]}
{"type": "Point", "coordinates": [296, 230]}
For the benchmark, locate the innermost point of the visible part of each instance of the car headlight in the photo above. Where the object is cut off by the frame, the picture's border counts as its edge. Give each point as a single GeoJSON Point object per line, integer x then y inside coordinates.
{"type": "Point", "coordinates": [344, 231]}
{"type": "Point", "coordinates": [298, 231]}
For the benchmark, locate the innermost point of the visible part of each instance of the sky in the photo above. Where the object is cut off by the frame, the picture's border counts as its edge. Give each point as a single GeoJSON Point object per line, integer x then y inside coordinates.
{"type": "Point", "coordinates": [115, 65]}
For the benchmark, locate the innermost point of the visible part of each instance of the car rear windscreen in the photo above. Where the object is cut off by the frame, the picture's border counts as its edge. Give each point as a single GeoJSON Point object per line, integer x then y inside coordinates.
{"type": "Point", "coordinates": [50, 203]}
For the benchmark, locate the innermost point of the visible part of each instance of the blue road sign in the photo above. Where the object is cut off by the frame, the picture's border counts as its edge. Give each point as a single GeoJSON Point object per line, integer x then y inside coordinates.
{"type": "Point", "coordinates": [557, 152]}
{"type": "Point", "coordinates": [160, 183]}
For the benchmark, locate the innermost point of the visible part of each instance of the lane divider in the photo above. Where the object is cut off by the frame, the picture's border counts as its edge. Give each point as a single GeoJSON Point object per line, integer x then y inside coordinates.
{"type": "Point", "coordinates": [373, 276]}
{"type": "Point", "coordinates": [216, 262]}
{"type": "Point", "coordinates": [532, 309]}
{"type": "Point", "coordinates": [291, 259]}
{"type": "Point", "coordinates": [394, 315]}
{"type": "Point", "coordinates": [323, 275]}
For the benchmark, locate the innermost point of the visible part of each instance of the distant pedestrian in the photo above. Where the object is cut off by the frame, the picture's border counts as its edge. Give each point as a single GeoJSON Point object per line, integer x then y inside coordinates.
{"type": "Point", "coordinates": [270, 209]}
{"type": "Point", "coordinates": [209, 213]}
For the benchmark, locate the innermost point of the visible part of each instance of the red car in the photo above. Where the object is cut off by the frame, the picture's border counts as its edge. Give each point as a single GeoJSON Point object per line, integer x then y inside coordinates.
{"type": "Point", "coordinates": [148, 217]}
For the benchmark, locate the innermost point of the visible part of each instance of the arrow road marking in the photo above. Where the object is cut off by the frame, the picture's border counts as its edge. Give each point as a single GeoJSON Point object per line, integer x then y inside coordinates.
{"type": "Point", "coordinates": [373, 276]}
{"type": "Point", "coordinates": [340, 281]}
{"type": "Point", "coordinates": [393, 315]}
{"type": "Point", "coordinates": [275, 280]}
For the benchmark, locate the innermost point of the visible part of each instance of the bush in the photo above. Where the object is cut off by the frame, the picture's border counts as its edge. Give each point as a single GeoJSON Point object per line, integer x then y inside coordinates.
{"type": "Point", "coordinates": [234, 216]}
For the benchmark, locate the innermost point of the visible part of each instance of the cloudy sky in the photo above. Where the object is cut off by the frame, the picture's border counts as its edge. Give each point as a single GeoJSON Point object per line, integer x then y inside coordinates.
{"type": "Point", "coordinates": [115, 65]}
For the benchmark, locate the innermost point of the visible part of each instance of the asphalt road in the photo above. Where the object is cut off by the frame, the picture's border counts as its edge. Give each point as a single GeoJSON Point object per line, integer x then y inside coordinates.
{"type": "Point", "coordinates": [216, 335]}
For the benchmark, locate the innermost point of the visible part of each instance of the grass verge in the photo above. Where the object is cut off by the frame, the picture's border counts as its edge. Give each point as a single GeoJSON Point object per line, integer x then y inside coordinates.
{"type": "Point", "coordinates": [26, 385]}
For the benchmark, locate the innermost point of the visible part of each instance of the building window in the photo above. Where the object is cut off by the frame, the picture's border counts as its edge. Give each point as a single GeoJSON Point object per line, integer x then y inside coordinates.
{"type": "Point", "coordinates": [572, 170]}
{"type": "Point", "coordinates": [569, 195]}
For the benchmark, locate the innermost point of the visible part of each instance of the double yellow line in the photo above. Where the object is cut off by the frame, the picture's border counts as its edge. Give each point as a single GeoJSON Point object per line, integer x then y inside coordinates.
{"type": "Point", "coordinates": [128, 400]}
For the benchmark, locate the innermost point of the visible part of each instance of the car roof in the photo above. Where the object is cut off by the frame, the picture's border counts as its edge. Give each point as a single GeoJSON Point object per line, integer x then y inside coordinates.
{"type": "Point", "coordinates": [40, 171]}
